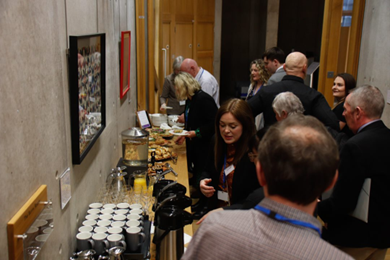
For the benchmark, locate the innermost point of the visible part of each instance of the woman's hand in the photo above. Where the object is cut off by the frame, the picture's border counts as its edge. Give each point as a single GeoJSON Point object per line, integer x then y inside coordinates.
{"type": "Point", "coordinates": [191, 134]}
{"type": "Point", "coordinates": [208, 191]}
{"type": "Point", "coordinates": [204, 217]}
{"type": "Point", "coordinates": [180, 140]}
{"type": "Point", "coordinates": [180, 119]}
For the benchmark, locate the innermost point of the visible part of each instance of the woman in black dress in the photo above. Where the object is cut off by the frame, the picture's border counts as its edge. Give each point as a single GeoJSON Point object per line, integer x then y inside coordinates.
{"type": "Point", "coordinates": [342, 85]}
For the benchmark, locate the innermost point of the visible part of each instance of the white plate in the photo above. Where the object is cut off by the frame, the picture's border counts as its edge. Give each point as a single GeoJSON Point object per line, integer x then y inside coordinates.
{"type": "Point", "coordinates": [182, 133]}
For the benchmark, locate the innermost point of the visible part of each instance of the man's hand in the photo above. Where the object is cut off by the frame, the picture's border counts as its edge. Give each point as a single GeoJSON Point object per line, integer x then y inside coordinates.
{"type": "Point", "coordinates": [163, 107]}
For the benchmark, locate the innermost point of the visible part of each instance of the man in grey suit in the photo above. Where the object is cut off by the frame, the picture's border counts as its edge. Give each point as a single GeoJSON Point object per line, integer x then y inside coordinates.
{"type": "Point", "coordinates": [297, 161]}
{"type": "Point", "coordinates": [274, 60]}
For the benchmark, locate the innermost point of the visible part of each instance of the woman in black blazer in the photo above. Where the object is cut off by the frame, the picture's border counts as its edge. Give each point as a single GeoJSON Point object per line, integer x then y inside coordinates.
{"type": "Point", "coordinates": [199, 114]}
{"type": "Point", "coordinates": [230, 175]}
{"type": "Point", "coordinates": [342, 84]}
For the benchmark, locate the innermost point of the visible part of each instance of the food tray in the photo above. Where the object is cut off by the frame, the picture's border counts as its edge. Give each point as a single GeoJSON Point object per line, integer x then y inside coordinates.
{"type": "Point", "coordinates": [144, 251]}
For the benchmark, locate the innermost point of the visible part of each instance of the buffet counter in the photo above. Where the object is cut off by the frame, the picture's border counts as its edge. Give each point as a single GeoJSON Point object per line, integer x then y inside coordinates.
{"type": "Point", "coordinates": [181, 169]}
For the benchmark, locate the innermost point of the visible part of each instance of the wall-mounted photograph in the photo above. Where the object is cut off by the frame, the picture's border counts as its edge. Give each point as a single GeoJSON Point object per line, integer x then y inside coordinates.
{"type": "Point", "coordinates": [87, 84]}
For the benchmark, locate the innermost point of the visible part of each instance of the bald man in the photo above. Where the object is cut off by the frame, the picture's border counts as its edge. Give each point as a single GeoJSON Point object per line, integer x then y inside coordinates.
{"type": "Point", "coordinates": [207, 81]}
{"type": "Point", "coordinates": [313, 101]}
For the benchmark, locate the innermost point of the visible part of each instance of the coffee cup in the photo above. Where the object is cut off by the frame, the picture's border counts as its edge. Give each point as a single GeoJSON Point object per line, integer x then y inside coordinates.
{"type": "Point", "coordinates": [92, 217]}
{"type": "Point", "coordinates": [85, 229]}
{"type": "Point", "coordinates": [104, 223]}
{"type": "Point", "coordinates": [134, 217]}
{"type": "Point", "coordinates": [100, 243]}
{"type": "Point", "coordinates": [107, 211]}
{"type": "Point", "coordinates": [123, 205]}
{"type": "Point", "coordinates": [105, 217]}
{"type": "Point", "coordinates": [84, 241]}
{"type": "Point", "coordinates": [89, 223]}
{"type": "Point", "coordinates": [116, 240]}
{"type": "Point", "coordinates": [100, 230]}
{"type": "Point", "coordinates": [115, 230]}
{"type": "Point", "coordinates": [118, 224]}
{"type": "Point", "coordinates": [93, 211]}
{"type": "Point", "coordinates": [121, 211]}
{"type": "Point", "coordinates": [136, 206]}
{"type": "Point", "coordinates": [119, 217]}
{"type": "Point", "coordinates": [134, 238]}
{"type": "Point", "coordinates": [95, 205]}
{"type": "Point", "coordinates": [136, 211]}
{"type": "Point", "coordinates": [109, 206]}
{"type": "Point", "coordinates": [134, 223]}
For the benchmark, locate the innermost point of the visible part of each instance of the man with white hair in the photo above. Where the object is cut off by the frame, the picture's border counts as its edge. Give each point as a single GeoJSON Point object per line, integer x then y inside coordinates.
{"type": "Point", "coordinates": [285, 104]}
{"type": "Point", "coordinates": [364, 156]}
{"type": "Point", "coordinates": [313, 101]}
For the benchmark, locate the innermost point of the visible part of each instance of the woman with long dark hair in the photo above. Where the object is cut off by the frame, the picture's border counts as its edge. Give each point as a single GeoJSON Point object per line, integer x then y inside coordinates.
{"type": "Point", "coordinates": [342, 85]}
{"type": "Point", "coordinates": [230, 176]}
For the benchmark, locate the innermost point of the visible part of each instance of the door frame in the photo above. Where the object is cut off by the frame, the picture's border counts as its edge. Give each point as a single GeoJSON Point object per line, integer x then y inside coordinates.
{"type": "Point", "coordinates": [330, 43]}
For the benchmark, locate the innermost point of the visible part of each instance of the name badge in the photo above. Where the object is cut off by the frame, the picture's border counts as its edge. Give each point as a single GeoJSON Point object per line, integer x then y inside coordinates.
{"type": "Point", "coordinates": [229, 169]}
{"type": "Point", "coordinates": [224, 196]}
{"type": "Point", "coordinates": [182, 102]}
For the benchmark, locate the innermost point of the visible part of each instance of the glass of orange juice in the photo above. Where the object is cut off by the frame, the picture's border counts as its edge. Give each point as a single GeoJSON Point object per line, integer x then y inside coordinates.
{"type": "Point", "coordinates": [139, 181]}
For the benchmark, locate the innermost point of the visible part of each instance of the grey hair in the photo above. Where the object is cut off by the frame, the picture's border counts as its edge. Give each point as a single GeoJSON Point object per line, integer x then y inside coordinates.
{"type": "Point", "coordinates": [287, 101]}
{"type": "Point", "coordinates": [370, 99]}
{"type": "Point", "coordinates": [177, 62]}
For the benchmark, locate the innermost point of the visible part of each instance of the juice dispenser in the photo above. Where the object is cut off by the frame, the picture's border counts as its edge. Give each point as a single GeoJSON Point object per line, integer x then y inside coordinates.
{"type": "Point", "coordinates": [135, 143]}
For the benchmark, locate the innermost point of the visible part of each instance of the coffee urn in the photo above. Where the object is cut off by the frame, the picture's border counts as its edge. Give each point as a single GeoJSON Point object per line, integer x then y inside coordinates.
{"type": "Point", "coordinates": [169, 232]}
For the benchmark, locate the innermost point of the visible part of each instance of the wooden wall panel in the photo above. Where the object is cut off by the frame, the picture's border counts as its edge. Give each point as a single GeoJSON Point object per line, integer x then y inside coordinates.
{"type": "Point", "coordinates": [141, 57]}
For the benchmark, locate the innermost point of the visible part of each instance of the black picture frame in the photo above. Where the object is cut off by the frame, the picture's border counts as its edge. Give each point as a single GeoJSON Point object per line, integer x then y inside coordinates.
{"type": "Point", "coordinates": [87, 92]}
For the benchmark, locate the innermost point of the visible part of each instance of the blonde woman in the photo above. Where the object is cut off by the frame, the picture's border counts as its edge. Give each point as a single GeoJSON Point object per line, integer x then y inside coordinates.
{"type": "Point", "coordinates": [199, 115]}
{"type": "Point", "coordinates": [259, 77]}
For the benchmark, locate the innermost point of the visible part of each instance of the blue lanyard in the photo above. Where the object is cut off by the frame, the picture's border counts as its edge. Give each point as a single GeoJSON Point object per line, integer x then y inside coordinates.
{"type": "Point", "coordinates": [224, 175]}
{"type": "Point", "coordinates": [201, 74]}
{"type": "Point", "coordinates": [186, 111]}
{"type": "Point", "coordinates": [276, 216]}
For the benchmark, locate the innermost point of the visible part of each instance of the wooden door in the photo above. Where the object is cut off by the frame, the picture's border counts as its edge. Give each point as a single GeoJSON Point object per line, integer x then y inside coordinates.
{"type": "Point", "coordinates": [184, 40]}
{"type": "Point", "coordinates": [204, 35]}
{"type": "Point", "coordinates": [340, 45]}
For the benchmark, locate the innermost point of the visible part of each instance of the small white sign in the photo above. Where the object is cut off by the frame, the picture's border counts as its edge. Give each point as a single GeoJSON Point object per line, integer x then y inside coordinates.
{"type": "Point", "coordinates": [65, 188]}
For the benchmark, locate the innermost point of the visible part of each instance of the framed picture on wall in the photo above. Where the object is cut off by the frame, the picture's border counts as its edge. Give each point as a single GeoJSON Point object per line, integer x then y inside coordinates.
{"type": "Point", "coordinates": [125, 63]}
{"type": "Point", "coordinates": [87, 92]}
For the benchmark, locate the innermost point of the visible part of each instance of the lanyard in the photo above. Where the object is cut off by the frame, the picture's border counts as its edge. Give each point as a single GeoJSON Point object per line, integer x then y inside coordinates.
{"type": "Point", "coordinates": [276, 216]}
{"type": "Point", "coordinates": [224, 175]}
{"type": "Point", "coordinates": [186, 111]}
{"type": "Point", "coordinates": [201, 74]}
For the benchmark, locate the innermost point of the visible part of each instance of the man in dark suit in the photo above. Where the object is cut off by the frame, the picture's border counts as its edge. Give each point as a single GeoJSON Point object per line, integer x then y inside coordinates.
{"type": "Point", "coordinates": [313, 102]}
{"type": "Point", "coordinates": [363, 156]}
{"type": "Point", "coordinates": [274, 60]}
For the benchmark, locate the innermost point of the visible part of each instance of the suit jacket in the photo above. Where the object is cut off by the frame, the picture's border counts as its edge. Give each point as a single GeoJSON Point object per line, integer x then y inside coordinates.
{"type": "Point", "coordinates": [313, 101]}
{"type": "Point", "coordinates": [338, 111]}
{"type": "Point", "coordinates": [168, 96]}
{"type": "Point", "coordinates": [277, 76]}
{"type": "Point", "coordinates": [244, 179]}
{"type": "Point", "coordinates": [201, 115]}
{"type": "Point", "coordinates": [365, 155]}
